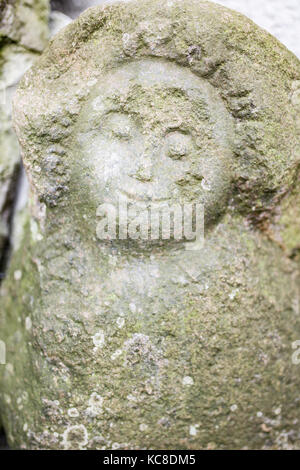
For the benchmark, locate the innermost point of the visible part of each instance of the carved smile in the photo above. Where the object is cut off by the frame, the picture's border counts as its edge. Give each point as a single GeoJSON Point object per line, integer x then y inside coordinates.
{"type": "Point", "coordinates": [142, 198]}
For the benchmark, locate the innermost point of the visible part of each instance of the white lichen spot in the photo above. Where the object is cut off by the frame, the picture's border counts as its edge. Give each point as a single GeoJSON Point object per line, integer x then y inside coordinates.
{"type": "Point", "coordinates": [132, 308]}
{"type": "Point", "coordinates": [233, 408]}
{"type": "Point", "coordinates": [73, 412]}
{"type": "Point", "coordinates": [129, 44]}
{"type": "Point", "coordinates": [7, 399]}
{"type": "Point", "coordinates": [131, 398]}
{"type": "Point", "coordinates": [98, 340]}
{"type": "Point", "coordinates": [35, 234]}
{"type": "Point", "coordinates": [187, 380]}
{"type": "Point", "coordinates": [9, 369]}
{"type": "Point", "coordinates": [259, 414]}
{"type": "Point", "coordinates": [277, 411]}
{"type": "Point", "coordinates": [233, 294]}
{"type": "Point", "coordinates": [194, 429]}
{"type": "Point", "coordinates": [116, 354]}
{"type": "Point", "coordinates": [25, 427]}
{"type": "Point", "coordinates": [115, 446]}
{"type": "Point", "coordinates": [28, 323]}
{"type": "Point", "coordinates": [120, 322]}
{"type": "Point", "coordinates": [143, 427]}
{"type": "Point", "coordinates": [18, 275]}
{"type": "Point", "coordinates": [296, 305]}
{"type": "Point", "coordinates": [75, 437]}
{"type": "Point", "coordinates": [140, 348]}
{"type": "Point", "coordinates": [206, 185]}
{"type": "Point", "coordinates": [98, 104]}
{"type": "Point", "coordinates": [92, 82]}
{"type": "Point", "coordinates": [95, 405]}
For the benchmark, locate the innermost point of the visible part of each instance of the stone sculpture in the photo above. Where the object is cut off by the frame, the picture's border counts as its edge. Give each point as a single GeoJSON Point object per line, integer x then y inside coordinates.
{"type": "Point", "coordinates": [129, 343]}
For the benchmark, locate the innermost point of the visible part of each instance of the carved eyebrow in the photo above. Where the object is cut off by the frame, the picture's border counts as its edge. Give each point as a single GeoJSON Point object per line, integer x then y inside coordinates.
{"type": "Point", "coordinates": [100, 119]}
{"type": "Point", "coordinates": [120, 124]}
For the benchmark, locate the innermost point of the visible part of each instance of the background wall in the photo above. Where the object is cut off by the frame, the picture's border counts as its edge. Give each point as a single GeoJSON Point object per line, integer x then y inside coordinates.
{"type": "Point", "coordinates": [279, 17]}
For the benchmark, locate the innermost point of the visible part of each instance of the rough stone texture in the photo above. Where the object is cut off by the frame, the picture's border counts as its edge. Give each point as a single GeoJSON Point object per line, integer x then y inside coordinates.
{"type": "Point", "coordinates": [23, 35]}
{"type": "Point", "coordinates": [135, 345]}
{"type": "Point", "coordinates": [280, 18]}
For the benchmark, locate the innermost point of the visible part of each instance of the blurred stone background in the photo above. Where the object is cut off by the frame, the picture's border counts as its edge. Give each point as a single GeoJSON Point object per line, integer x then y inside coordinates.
{"type": "Point", "coordinates": [24, 33]}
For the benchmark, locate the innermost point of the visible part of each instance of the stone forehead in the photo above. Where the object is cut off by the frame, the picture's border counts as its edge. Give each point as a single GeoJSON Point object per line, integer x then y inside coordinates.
{"type": "Point", "coordinates": [151, 72]}
{"type": "Point", "coordinates": [155, 76]}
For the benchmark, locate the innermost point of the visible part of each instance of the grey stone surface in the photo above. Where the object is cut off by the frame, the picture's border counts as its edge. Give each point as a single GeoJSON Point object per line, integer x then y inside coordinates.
{"type": "Point", "coordinates": [132, 344]}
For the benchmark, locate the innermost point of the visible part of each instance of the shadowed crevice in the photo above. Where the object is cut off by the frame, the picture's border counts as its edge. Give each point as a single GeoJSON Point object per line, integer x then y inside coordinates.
{"type": "Point", "coordinates": [3, 441]}
{"type": "Point", "coordinates": [9, 208]}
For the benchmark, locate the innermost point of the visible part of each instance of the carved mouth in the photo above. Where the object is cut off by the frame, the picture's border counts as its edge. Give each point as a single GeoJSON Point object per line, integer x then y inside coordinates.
{"type": "Point", "coordinates": [141, 197]}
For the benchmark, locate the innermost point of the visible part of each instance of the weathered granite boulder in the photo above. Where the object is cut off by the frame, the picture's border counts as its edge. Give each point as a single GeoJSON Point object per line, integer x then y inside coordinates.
{"type": "Point", "coordinates": [23, 36]}
{"type": "Point", "coordinates": [129, 343]}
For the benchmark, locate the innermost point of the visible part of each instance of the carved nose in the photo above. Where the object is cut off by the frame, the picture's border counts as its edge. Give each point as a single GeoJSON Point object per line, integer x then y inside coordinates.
{"type": "Point", "coordinates": [144, 171]}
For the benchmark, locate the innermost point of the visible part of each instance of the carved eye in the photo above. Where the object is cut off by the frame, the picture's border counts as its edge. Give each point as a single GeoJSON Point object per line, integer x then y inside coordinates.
{"type": "Point", "coordinates": [120, 126]}
{"type": "Point", "coordinates": [178, 145]}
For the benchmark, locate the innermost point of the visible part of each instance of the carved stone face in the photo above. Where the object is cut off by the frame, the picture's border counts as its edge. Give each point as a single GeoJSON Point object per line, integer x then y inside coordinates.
{"type": "Point", "coordinates": [153, 131]}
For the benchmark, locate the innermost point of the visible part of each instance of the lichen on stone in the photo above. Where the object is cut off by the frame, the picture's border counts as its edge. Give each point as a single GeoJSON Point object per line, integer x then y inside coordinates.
{"type": "Point", "coordinates": [137, 345]}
